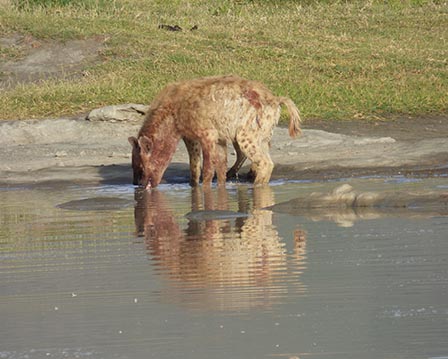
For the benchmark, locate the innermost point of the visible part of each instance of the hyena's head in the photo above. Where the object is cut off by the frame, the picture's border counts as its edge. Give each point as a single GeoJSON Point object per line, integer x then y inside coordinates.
{"type": "Point", "coordinates": [142, 166]}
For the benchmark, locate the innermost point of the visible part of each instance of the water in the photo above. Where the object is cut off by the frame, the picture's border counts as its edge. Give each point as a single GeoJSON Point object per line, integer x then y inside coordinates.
{"type": "Point", "coordinates": [130, 276]}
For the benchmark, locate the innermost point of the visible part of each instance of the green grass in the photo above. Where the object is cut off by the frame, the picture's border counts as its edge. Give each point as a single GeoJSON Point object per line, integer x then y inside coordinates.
{"type": "Point", "coordinates": [336, 60]}
{"type": "Point", "coordinates": [32, 5]}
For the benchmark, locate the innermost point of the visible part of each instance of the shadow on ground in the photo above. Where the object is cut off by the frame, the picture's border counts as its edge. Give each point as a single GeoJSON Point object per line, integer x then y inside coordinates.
{"type": "Point", "coordinates": [122, 174]}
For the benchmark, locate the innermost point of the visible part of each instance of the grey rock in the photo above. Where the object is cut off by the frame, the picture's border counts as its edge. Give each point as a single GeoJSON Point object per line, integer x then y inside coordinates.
{"type": "Point", "coordinates": [60, 154]}
{"type": "Point", "coordinates": [118, 113]}
{"type": "Point", "coordinates": [344, 205]}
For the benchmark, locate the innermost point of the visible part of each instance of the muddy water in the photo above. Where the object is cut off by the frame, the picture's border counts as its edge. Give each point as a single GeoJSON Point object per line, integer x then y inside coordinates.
{"type": "Point", "coordinates": [107, 272]}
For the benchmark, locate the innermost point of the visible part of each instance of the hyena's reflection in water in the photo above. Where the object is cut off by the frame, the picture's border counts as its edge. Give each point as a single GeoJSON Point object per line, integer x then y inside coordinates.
{"type": "Point", "coordinates": [226, 264]}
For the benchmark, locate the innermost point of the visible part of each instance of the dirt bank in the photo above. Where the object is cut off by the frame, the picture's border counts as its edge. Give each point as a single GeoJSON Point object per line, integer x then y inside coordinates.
{"type": "Point", "coordinates": [75, 150]}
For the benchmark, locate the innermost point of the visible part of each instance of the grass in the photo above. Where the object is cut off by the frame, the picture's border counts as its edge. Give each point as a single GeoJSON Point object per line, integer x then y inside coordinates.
{"type": "Point", "coordinates": [335, 59]}
{"type": "Point", "coordinates": [32, 5]}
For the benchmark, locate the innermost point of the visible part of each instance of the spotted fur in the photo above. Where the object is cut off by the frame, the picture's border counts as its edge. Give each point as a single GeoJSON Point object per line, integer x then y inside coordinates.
{"type": "Point", "coordinates": [210, 112]}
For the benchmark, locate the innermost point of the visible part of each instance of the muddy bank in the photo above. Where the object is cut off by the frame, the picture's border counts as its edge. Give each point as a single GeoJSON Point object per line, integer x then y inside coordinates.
{"type": "Point", "coordinates": [75, 150]}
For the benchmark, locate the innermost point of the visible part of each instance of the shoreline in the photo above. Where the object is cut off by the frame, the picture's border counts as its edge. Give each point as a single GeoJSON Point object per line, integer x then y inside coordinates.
{"type": "Point", "coordinates": [73, 150]}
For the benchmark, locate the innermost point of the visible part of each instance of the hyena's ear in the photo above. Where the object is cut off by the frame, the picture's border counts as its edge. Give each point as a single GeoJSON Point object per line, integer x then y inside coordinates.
{"type": "Point", "coordinates": [133, 141]}
{"type": "Point", "coordinates": [145, 144]}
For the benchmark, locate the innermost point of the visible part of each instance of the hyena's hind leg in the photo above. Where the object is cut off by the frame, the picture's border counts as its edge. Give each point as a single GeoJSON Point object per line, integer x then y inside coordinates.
{"type": "Point", "coordinates": [258, 153]}
{"type": "Point", "coordinates": [251, 175]}
{"type": "Point", "coordinates": [194, 154]}
{"type": "Point", "coordinates": [240, 158]}
{"type": "Point", "coordinates": [214, 157]}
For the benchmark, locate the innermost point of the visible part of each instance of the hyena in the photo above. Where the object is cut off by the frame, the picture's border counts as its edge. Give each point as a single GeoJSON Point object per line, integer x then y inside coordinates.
{"type": "Point", "coordinates": [210, 111]}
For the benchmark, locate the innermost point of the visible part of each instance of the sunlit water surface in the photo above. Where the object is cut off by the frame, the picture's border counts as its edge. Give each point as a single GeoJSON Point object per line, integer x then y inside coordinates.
{"type": "Point", "coordinates": [110, 272]}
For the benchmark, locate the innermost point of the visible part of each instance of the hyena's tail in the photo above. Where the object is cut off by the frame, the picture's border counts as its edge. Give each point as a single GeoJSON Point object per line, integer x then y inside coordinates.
{"type": "Point", "coordinates": [294, 116]}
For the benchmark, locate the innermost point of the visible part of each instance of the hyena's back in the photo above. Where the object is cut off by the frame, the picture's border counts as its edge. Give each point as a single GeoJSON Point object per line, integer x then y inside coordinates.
{"type": "Point", "coordinates": [225, 104]}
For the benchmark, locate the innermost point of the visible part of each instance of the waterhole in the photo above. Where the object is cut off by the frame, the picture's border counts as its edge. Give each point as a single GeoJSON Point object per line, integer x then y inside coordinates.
{"type": "Point", "coordinates": [115, 272]}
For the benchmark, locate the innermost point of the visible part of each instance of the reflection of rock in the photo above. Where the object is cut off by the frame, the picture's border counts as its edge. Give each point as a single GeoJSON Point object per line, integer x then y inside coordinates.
{"type": "Point", "coordinates": [96, 204]}
{"type": "Point", "coordinates": [217, 214]}
{"type": "Point", "coordinates": [228, 264]}
{"type": "Point", "coordinates": [128, 112]}
{"type": "Point", "coordinates": [344, 205]}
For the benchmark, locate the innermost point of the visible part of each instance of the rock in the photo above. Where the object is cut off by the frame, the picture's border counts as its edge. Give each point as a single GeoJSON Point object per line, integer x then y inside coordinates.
{"type": "Point", "coordinates": [60, 154]}
{"type": "Point", "coordinates": [126, 112]}
{"type": "Point", "coordinates": [344, 205]}
{"type": "Point", "coordinates": [345, 196]}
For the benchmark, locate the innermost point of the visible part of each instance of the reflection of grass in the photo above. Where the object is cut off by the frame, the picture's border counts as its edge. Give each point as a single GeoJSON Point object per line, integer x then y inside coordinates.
{"type": "Point", "coordinates": [335, 59]}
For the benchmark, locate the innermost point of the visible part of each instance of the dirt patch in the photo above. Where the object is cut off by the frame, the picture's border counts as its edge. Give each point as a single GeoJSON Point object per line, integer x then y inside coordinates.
{"type": "Point", "coordinates": [41, 60]}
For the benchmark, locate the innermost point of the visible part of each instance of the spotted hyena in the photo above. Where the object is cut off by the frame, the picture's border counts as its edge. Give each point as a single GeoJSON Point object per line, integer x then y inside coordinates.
{"type": "Point", "coordinates": [210, 111]}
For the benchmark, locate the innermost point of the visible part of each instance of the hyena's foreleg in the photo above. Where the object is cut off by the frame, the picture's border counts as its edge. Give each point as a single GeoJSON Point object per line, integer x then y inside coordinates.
{"type": "Point", "coordinates": [194, 153]}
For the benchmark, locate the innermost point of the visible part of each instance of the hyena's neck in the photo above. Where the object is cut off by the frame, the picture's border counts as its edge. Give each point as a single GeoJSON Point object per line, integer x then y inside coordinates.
{"type": "Point", "coordinates": [161, 154]}
{"type": "Point", "coordinates": [158, 122]}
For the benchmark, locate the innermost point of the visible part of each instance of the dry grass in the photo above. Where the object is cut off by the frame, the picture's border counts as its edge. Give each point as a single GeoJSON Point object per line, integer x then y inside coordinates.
{"type": "Point", "coordinates": [336, 60]}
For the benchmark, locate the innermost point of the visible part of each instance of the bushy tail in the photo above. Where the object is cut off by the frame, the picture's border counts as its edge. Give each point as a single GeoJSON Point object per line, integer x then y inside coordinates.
{"type": "Point", "coordinates": [294, 116]}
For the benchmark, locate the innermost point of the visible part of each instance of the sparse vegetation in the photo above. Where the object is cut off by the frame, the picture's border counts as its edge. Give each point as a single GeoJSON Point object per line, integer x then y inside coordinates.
{"type": "Point", "coordinates": [336, 60]}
